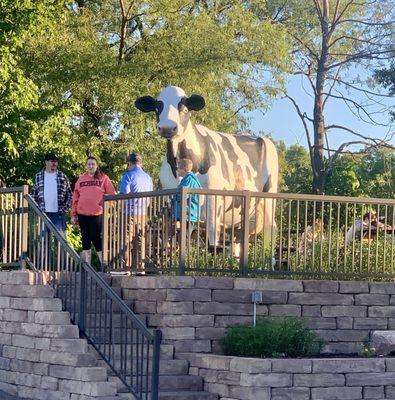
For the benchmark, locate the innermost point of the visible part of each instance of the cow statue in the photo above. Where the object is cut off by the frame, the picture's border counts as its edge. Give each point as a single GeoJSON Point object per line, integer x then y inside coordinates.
{"type": "Point", "coordinates": [221, 161]}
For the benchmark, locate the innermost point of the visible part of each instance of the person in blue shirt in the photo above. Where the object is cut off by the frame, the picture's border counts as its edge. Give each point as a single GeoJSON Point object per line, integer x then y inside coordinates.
{"type": "Point", "coordinates": [135, 180]}
{"type": "Point", "coordinates": [190, 180]}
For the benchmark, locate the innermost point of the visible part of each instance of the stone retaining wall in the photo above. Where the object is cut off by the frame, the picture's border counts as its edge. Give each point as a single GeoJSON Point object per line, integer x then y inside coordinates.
{"type": "Point", "coordinates": [236, 378]}
{"type": "Point", "coordinates": [41, 354]}
{"type": "Point", "coordinates": [194, 312]}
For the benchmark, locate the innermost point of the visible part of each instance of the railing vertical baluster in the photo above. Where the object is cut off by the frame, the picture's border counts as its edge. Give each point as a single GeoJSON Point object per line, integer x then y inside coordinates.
{"type": "Point", "coordinates": [255, 241]}
{"type": "Point", "coordinates": [142, 364]}
{"type": "Point", "coordinates": [132, 352]}
{"type": "Point", "coordinates": [206, 238]}
{"type": "Point", "coordinates": [25, 225]}
{"type": "Point", "coordinates": [393, 239]}
{"type": "Point", "coordinates": [223, 231]}
{"type": "Point", "coordinates": [330, 236]}
{"type": "Point", "coordinates": [385, 236]}
{"type": "Point", "coordinates": [155, 365]}
{"type": "Point", "coordinates": [337, 234]}
{"type": "Point", "coordinates": [82, 307]}
{"type": "Point", "coordinates": [245, 237]}
{"type": "Point", "coordinates": [280, 249]}
{"type": "Point", "coordinates": [377, 238]}
{"type": "Point", "coordinates": [289, 232]}
{"type": "Point", "coordinates": [183, 230]}
{"type": "Point", "coordinates": [106, 236]}
{"type": "Point", "coordinates": [313, 233]}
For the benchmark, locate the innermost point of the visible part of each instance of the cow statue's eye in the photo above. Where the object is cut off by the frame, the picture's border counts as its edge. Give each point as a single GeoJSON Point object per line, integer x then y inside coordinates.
{"type": "Point", "coordinates": [182, 107]}
{"type": "Point", "coordinates": [159, 106]}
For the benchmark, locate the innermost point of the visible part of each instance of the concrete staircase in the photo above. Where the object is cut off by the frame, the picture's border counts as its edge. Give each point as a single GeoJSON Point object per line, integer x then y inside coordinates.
{"type": "Point", "coordinates": [174, 381]}
{"type": "Point", "coordinates": [43, 357]}
{"type": "Point", "coordinates": [41, 353]}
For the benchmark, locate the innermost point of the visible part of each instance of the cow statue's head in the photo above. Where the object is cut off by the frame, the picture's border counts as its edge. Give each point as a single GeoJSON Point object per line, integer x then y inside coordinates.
{"type": "Point", "coordinates": [172, 109]}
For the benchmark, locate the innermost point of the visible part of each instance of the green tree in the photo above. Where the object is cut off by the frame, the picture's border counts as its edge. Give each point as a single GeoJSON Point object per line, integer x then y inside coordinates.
{"type": "Point", "coordinates": [370, 174]}
{"type": "Point", "coordinates": [386, 77]}
{"type": "Point", "coordinates": [343, 178]}
{"type": "Point", "coordinates": [330, 41]}
{"type": "Point", "coordinates": [18, 93]}
{"type": "Point", "coordinates": [105, 54]}
{"type": "Point", "coordinates": [377, 173]}
{"type": "Point", "coordinates": [297, 176]}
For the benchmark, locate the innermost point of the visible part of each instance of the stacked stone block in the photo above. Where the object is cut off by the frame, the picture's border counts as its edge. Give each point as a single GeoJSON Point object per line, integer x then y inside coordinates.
{"type": "Point", "coordinates": [194, 312]}
{"type": "Point", "coordinates": [41, 354]}
{"type": "Point", "coordinates": [294, 379]}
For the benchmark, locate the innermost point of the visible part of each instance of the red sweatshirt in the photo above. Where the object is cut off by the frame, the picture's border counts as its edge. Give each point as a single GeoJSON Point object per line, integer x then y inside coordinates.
{"type": "Point", "coordinates": [88, 194]}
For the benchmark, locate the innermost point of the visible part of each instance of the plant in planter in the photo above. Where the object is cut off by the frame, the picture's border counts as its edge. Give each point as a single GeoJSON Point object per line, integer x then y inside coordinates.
{"type": "Point", "coordinates": [367, 350]}
{"type": "Point", "coordinates": [272, 337]}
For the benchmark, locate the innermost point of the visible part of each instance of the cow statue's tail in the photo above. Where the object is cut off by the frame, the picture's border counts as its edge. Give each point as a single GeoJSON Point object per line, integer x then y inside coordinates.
{"type": "Point", "coordinates": [263, 210]}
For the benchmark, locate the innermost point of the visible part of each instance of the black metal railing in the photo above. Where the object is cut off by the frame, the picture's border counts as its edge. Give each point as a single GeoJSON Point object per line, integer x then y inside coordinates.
{"type": "Point", "coordinates": [129, 348]}
{"type": "Point", "coordinates": [243, 233]}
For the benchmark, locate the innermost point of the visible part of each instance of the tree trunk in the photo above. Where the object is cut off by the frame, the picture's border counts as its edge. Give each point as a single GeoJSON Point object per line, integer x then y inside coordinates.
{"type": "Point", "coordinates": [318, 162]}
{"type": "Point", "coordinates": [123, 32]}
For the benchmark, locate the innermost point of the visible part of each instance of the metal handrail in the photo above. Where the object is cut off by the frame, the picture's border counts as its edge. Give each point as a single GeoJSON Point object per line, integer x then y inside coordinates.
{"type": "Point", "coordinates": [12, 190]}
{"type": "Point", "coordinates": [238, 193]}
{"type": "Point", "coordinates": [86, 272]}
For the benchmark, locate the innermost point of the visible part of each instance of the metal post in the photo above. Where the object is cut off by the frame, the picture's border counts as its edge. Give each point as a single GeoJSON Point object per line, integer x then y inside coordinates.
{"type": "Point", "coordinates": [82, 306]}
{"type": "Point", "coordinates": [25, 223]}
{"type": "Point", "coordinates": [104, 265]}
{"type": "Point", "coordinates": [155, 364]}
{"type": "Point", "coordinates": [245, 234]}
{"type": "Point", "coordinates": [183, 230]}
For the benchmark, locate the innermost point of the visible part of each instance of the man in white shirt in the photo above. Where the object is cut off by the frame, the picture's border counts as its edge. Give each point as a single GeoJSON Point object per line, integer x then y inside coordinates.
{"type": "Point", "coordinates": [52, 192]}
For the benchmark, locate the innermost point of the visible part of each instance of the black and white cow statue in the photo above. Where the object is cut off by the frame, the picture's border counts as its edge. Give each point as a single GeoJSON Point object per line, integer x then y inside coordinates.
{"type": "Point", "coordinates": [221, 161]}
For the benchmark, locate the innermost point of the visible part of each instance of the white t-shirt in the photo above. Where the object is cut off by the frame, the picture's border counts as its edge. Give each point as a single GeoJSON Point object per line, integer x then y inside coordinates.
{"type": "Point", "coordinates": [50, 192]}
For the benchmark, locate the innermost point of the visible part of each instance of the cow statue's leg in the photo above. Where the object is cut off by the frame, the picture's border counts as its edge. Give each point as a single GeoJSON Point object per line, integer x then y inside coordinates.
{"type": "Point", "coordinates": [268, 205]}
{"type": "Point", "coordinates": [213, 222]}
{"type": "Point", "coordinates": [270, 182]}
{"type": "Point", "coordinates": [166, 176]}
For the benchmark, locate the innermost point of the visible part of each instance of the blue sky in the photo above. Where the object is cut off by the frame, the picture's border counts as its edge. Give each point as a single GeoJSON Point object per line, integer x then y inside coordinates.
{"type": "Point", "coordinates": [282, 121]}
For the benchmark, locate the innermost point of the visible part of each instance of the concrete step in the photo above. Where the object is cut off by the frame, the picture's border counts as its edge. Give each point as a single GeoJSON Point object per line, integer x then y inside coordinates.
{"type": "Point", "coordinates": [177, 395]}
{"type": "Point", "coordinates": [184, 383]}
{"type": "Point", "coordinates": [166, 368]}
{"type": "Point", "coordinates": [170, 383]}
{"type": "Point", "coordinates": [187, 396]}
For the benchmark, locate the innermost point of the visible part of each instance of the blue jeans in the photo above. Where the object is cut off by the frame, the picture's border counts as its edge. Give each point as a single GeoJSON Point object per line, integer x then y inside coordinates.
{"type": "Point", "coordinates": [49, 256]}
{"type": "Point", "coordinates": [59, 220]}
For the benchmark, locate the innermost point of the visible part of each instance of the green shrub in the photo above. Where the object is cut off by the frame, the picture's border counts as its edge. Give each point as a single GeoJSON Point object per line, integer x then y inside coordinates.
{"type": "Point", "coordinates": [272, 338]}
{"type": "Point", "coordinates": [73, 237]}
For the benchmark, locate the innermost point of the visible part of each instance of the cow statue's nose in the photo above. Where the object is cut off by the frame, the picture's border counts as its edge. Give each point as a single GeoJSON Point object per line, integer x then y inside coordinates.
{"type": "Point", "coordinates": [168, 132]}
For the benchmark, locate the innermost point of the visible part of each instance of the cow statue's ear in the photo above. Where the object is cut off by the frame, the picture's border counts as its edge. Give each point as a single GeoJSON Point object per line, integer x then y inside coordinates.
{"type": "Point", "coordinates": [195, 102]}
{"type": "Point", "coordinates": [146, 104]}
